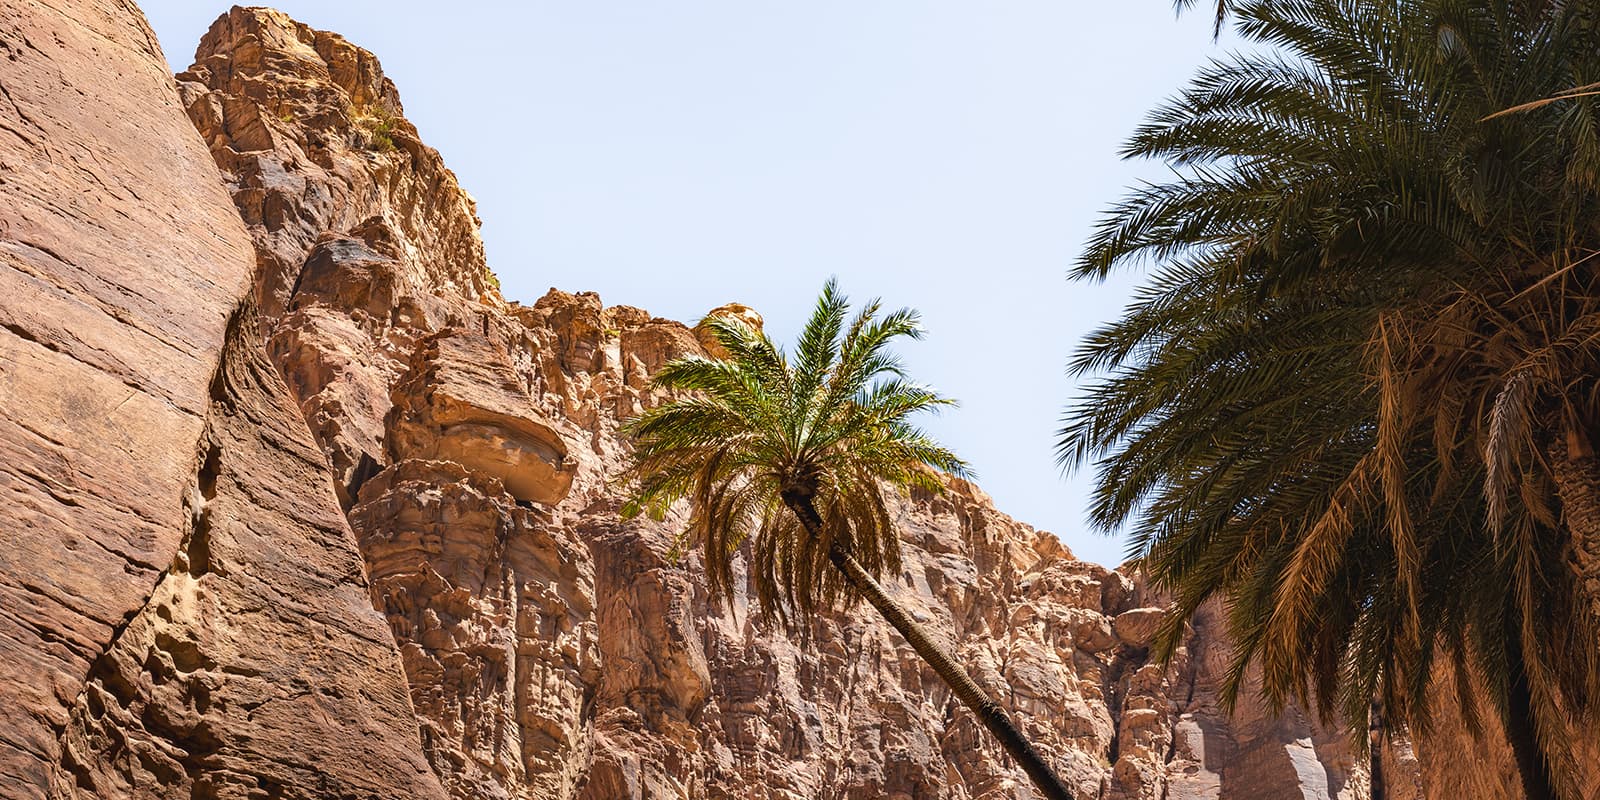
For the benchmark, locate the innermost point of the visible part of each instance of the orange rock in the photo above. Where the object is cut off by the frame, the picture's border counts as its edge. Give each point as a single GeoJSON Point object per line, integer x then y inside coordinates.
{"type": "Point", "coordinates": [737, 311]}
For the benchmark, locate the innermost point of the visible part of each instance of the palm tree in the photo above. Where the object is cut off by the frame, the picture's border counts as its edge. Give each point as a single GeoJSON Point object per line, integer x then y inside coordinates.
{"type": "Point", "coordinates": [795, 456]}
{"type": "Point", "coordinates": [1360, 396]}
{"type": "Point", "coordinates": [1224, 8]}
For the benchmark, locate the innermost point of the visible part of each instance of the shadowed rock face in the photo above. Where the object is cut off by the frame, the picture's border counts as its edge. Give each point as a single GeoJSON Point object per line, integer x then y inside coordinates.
{"type": "Point", "coordinates": [364, 540]}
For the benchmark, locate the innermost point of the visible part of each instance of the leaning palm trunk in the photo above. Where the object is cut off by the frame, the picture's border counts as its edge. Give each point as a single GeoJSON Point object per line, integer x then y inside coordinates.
{"type": "Point", "coordinates": [758, 429]}
{"type": "Point", "coordinates": [1577, 479]}
{"type": "Point", "coordinates": [961, 684]}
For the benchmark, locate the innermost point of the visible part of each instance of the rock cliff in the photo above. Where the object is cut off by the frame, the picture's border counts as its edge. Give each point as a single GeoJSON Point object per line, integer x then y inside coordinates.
{"type": "Point", "coordinates": [299, 507]}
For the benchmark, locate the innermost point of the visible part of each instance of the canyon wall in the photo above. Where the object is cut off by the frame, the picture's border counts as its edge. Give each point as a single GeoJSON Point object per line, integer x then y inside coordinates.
{"type": "Point", "coordinates": [183, 609]}
{"type": "Point", "coordinates": [300, 507]}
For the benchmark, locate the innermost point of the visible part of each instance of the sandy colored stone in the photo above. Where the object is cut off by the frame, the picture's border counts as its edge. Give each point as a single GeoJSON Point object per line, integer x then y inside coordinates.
{"type": "Point", "coordinates": [735, 311]}
{"type": "Point", "coordinates": [1137, 627]}
{"type": "Point", "coordinates": [120, 260]}
{"type": "Point", "coordinates": [461, 401]}
{"type": "Point", "coordinates": [293, 116]}
{"type": "Point", "coordinates": [493, 609]}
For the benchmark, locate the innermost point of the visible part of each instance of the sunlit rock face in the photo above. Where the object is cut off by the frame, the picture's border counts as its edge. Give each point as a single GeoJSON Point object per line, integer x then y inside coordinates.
{"type": "Point", "coordinates": [461, 401]}
{"type": "Point", "coordinates": [493, 611]}
{"type": "Point", "coordinates": [735, 311]}
{"type": "Point", "coordinates": [554, 649]}
{"type": "Point", "coordinates": [183, 609]}
{"type": "Point", "coordinates": [364, 540]}
{"type": "Point", "coordinates": [313, 141]}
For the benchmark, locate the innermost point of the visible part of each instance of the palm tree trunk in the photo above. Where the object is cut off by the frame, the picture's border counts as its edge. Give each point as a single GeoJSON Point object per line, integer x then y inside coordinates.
{"type": "Point", "coordinates": [1577, 478]}
{"type": "Point", "coordinates": [1521, 728]}
{"type": "Point", "coordinates": [1375, 736]}
{"type": "Point", "coordinates": [989, 712]}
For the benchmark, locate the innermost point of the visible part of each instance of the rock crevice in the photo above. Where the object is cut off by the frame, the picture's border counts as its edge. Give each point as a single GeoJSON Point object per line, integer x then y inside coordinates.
{"type": "Point", "coordinates": [260, 624]}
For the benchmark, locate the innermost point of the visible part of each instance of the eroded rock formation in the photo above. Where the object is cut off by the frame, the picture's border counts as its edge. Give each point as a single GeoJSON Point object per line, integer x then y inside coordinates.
{"type": "Point", "coordinates": [185, 610]}
{"type": "Point", "coordinates": [363, 540]}
{"type": "Point", "coordinates": [254, 668]}
{"type": "Point", "coordinates": [557, 650]}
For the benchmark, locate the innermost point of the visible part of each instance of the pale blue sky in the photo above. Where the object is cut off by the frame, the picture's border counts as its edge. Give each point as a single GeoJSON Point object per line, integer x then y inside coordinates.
{"type": "Point", "coordinates": [949, 156]}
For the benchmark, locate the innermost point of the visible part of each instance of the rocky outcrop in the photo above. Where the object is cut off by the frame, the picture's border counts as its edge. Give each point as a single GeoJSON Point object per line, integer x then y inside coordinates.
{"type": "Point", "coordinates": [556, 650]}
{"type": "Point", "coordinates": [120, 259]}
{"type": "Point", "coordinates": [257, 667]}
{"type": "Point", "coordinates": [493, 608]}
{"type": "Point", "coordinates": [312, 138]}
{"type": "Point", "coordinates": [461, 401]}
{"type": "Point", "coordinates": [736, 311]}
{"type": "Point", "coordinates": [365, 541]}
{"type": "Point", "coordinates": [183, 608]}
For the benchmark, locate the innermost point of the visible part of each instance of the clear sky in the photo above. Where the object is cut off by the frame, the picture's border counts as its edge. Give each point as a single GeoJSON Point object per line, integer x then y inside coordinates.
{"type": "Point", "coordinates": [949, 156]}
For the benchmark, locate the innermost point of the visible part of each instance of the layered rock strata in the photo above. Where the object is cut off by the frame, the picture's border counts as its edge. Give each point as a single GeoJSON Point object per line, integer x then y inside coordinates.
{"type": "Point", "coordinates": [183, 608]}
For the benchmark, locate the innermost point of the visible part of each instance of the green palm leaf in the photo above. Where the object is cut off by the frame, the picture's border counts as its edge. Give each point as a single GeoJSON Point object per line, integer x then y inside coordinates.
{"type": "Point", "coordinates": [1356, 398]}
{"type": "Point", "coordinates": [792, 462]}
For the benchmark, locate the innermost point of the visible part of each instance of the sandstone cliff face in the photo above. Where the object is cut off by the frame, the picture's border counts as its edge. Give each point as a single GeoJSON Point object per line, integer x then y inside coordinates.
{"type": "Point", "coordinates": [305, 509]}
{"type": "Point", "coordinates": [182, 598]}
{"type": "Point", "coordinates": [554, 649]}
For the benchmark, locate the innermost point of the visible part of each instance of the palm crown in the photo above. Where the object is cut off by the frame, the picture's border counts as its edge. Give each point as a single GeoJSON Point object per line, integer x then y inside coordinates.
{"type": "Point", "coordinates": [763, 431]}
{"type": "Point", "coordinates": [1345, 397]}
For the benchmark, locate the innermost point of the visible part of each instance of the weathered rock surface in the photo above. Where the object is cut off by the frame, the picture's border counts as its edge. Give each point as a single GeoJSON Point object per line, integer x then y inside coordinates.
{"type": "Point", "coordinates": [461, 401]}
{"type": "Point", "coordinates": [183, 608]}
{"type": "Point", "coordinates": [493, 607]}
{"type": "Point", "coordinates": [120, 259]}
{"type": "Point", "coordinates": [311, 136]}
{"type": "Point", "coordinates": [365, 542]}
{"type": "Point", "coordinates": [736, 311]}
{"type": "Point", "coordinates": [556, 650]}
{"type": "Point", "coordinates": [257, 667]}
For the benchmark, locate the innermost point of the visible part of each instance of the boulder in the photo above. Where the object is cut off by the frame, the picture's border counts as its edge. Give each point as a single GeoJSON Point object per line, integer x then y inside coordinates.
{"type": "Point", "coordinates": [737, 311]}
{"type": "Point", "coordinates": [1137, 627]}
{"type": "Point", "coordinates": [461, 401]}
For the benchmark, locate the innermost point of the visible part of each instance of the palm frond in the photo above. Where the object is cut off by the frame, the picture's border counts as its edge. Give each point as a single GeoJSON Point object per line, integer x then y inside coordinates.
{"type": "Point", "coordinates": [746, 431]}
{"type": "Point", "coordinates": [1368, 325]}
